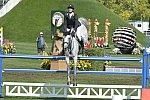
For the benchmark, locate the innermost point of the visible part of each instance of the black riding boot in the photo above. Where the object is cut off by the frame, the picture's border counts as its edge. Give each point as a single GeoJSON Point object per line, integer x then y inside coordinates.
{"type": "Point", "coordinates": [82, 47]}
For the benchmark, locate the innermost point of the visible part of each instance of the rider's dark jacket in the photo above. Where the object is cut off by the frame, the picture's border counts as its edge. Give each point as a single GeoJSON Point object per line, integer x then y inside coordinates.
{"type": "Point", "coordinates": [70, 22]}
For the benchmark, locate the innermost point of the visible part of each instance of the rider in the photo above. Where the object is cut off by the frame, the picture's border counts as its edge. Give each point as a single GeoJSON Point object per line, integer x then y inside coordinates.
{"type": "Point", "coordinates": [71, 24]}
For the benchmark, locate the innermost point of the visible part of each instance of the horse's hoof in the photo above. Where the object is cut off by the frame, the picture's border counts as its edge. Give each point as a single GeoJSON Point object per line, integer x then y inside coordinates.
{"type": "Point", "coordinates": [68, 83]}
{"type": "Point", "coordinates": [74, 84]}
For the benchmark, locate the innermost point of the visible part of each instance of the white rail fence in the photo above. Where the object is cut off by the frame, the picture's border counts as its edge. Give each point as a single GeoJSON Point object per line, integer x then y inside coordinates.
{"type": "Point", "coordinates": [70, 91]}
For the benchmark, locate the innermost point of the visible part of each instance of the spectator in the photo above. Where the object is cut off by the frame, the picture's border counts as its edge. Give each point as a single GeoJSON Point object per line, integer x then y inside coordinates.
{"type": "Point", "coordinates": [41, 44]}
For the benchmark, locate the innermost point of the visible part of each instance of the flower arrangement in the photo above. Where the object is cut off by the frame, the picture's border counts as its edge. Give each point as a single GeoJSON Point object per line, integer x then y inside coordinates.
{"type": "Point", "coordinates": [82, 64]}
{"type": "Point", "coordinates": [8, 47]}
{"type": "Point", "coordinates": [46, 63]}
{"type": "Point", "coordinates": [107, 63]}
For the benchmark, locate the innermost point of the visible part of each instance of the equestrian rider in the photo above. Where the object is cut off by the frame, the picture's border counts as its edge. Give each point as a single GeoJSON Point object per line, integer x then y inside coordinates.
{"type": "Point", "coordinates": [71, 24]}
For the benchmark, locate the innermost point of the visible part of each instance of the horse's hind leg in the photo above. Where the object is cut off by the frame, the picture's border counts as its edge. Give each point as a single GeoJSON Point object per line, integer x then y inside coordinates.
{"type": "Point", "coordinates": [68, 71]}
{"type": "Point", "coordinates": [75, 70]}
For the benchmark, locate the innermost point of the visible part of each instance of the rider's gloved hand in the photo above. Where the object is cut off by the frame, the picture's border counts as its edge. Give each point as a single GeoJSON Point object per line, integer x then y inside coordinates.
{"type": "Point", "coordinates": [73, 33]}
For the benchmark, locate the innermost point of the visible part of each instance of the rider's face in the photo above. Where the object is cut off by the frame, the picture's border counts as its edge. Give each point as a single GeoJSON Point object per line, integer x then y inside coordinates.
{"type": "Point", "coordinates": [70, 10]}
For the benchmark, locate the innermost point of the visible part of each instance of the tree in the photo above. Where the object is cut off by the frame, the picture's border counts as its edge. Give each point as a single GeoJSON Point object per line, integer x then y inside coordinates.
{"type": "Point", "coordinates": [142, 10]}
{"type": "Point", "coordinates": [129, 9]}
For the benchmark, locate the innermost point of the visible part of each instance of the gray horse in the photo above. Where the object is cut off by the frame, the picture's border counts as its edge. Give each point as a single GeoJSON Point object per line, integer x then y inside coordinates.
{"type": "Point", "coordinates": [71, 47]}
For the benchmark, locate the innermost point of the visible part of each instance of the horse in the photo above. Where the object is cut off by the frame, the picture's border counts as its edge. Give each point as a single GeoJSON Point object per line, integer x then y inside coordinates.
{"type": "Point", "coordinates": [71, 47]}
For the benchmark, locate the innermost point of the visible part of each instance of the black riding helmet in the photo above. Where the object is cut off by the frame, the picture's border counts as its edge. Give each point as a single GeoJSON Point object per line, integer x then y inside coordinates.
{"type": "Point", "coordinates": [70, 6]}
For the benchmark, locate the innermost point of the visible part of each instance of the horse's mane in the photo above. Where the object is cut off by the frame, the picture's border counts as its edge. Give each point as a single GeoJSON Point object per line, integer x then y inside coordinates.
{"type": "Point", "coordinates": [83, 21]}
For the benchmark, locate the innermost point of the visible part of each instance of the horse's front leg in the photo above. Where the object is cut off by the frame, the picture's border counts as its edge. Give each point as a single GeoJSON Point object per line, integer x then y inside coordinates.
{"type": "Point", "coordinates": [68, 71]}
{"type": "Point", "coordinates": [75, 70]}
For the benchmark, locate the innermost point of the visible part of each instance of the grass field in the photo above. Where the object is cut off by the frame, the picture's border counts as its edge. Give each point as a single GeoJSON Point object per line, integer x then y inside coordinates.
{"type": "Point", "coordinates": [26, 48]}
{"type": "Point", "coordinates": [29, 17]}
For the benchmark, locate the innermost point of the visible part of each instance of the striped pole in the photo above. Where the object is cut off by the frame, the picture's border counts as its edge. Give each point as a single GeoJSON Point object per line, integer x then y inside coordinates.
{"type": "Point", "coordinates": [0, 73]}
{"type": "Point", "coordinates": [95, 58]}
{"type": "Point", "coordinates": [65, 71]}
{"type": "Point", "coordinates": [1, 35]}
{"type": "Point", "coordinates": [1, 43]}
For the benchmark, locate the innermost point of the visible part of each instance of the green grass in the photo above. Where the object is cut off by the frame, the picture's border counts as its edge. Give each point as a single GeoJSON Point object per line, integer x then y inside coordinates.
{"type": "Point", "coordinates": [27, 19]}
{"type": "Point", "coordinates": [123, 63]}
{"type": "Point", "coordinates": [30, 48]}
{"type": "Point", "coordinates": [127, 63]}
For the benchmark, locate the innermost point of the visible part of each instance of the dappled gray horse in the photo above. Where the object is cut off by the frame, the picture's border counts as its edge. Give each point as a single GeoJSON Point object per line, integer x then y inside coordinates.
{"type": "Point", "coordinates": [71, 47]}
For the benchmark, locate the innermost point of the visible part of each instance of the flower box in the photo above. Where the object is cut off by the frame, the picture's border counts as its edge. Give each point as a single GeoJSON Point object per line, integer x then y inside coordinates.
{"type": "Point", "coordinates": [58, 65]}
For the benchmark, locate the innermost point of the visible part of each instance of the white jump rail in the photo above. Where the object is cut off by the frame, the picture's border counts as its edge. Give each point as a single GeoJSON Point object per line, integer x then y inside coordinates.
{"type": "Point", "coordinates": [70, 91]}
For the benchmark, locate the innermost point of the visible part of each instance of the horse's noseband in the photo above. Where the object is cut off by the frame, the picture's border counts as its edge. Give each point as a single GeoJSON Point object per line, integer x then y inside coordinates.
{"type": "Point", "coordinates": [66, 42]}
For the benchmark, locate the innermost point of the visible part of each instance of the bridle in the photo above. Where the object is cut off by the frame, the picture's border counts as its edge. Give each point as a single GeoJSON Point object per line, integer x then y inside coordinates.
{"type": "Point", "coordinates": [69, 43]}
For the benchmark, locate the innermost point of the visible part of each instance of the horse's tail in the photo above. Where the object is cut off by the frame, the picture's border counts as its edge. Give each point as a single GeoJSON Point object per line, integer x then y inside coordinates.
{"type": "Point", "coordinates": [83, 21]}
{"type": "Point", "coordinates": [82, 33]}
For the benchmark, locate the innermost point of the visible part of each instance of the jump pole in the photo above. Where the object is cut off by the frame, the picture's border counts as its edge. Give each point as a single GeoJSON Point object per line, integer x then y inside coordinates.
{"type": "Point", "coordinates": [145, 75]}
{"type": "Point", "coordinates": [145, 69]}
{"type": "Point", "coordinates": [1, 42]}
{"type": "Point", "coordinates": [1, 73]}
{"type": "Point", "coordinates": [1, 36]}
